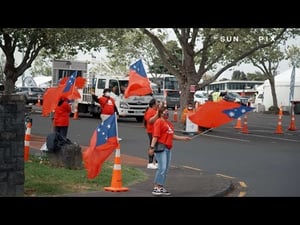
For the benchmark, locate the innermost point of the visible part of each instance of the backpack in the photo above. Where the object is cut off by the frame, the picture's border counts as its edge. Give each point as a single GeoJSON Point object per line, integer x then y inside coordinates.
{"type": "Point", "coordinates": [55, 141]}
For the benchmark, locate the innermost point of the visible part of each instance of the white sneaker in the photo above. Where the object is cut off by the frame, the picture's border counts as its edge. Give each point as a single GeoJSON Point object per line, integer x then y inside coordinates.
{"type": "Point", "coordinates": [152, 166]}
{"type": "Point", "coordinates": [160, 191]}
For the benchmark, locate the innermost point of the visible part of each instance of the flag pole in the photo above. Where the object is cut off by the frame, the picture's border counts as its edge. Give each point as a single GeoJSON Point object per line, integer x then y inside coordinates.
{"type": "Point", "coordinates": [76, 71]}
{"type": "Point", "coordinates": [204, 132]}
{"type": "Point", "coordinates": [117, 128]}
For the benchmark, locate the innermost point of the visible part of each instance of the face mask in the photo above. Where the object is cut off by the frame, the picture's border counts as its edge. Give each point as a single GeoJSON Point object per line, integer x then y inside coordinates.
{"type": "Point", "coordinates": [107, 94]}
{"type": "Point", "coordinates": [166, 115]}
{"type": "Point", "coordinates": [190, 108]}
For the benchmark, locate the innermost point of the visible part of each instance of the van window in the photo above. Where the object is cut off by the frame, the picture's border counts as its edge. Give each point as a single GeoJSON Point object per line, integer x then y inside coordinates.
{"type": "Point", "coordinates": [101, 83]}
{"type": "Point", "coordinates": [175, 94]}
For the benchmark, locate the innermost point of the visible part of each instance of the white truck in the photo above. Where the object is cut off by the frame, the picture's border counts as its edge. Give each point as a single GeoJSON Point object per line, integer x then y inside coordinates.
{"type": "Point", "coordinates": [133, 106]}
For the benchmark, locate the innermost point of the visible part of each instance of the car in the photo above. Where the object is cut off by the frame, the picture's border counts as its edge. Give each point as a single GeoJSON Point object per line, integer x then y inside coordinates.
{"type": "Point", "coordinates": [200, 97]}
{"type": "Point", "coordinates": [171, 97]}
{"type": "Point", "coordinates": [31, 94]}
{"type": "Point", "coordinates": [235, 97]}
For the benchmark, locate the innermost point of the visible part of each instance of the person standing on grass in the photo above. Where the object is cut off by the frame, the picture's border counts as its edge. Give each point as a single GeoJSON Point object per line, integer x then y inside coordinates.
{"type": "Point", "coordinates": [161, 145]}
{"type": "Point", "coordinates": [61, 118]}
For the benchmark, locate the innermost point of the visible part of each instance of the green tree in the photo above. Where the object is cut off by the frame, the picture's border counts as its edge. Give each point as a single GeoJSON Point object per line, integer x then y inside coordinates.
{"type": "Point", "coordinates": [210, 49]}
{"type": "Point", "coordinates": [53, 41]}
{"type": "Point", "coordinates": [42, 64]}
{"type": "Point", "coordinates": [292, 53]}
{"type": "Point", "coordinates": [238, 75]}
{"type": "Point", "coordinates": [255, 76]}
{"type": "Point", "coordinates": [267, 61]}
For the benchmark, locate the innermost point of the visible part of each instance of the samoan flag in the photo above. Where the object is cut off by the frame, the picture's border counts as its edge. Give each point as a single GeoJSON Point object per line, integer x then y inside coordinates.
{"type": "Point", "coordinates": [70, 83]}
{"type": "Point", "coordinates": [237, 112]}
{"type": "Point", "coordinates": [103, 142]}
{"type": "Point", "coordinates": [214, 114]}
{"type": "Point", "coordinates": [139, 83]}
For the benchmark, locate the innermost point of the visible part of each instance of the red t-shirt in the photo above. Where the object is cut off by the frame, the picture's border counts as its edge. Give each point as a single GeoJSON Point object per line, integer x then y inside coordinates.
{"type": "Point", "coordinates": [62, 114]}
{"type": "Point", "coordinates": [107, 105]}
{"type": "Point", "coordinates": [150, 113]}
{"type": "Point", "coordinates": [164, 131]}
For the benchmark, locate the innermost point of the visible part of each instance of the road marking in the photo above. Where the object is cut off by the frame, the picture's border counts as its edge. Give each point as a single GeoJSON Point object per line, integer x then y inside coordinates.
{"type": "Point", "coordinates": [222, 175]}
{"type": "Point", "coordinates": [192, 168]}
{"type": "Point", "coordinates": [275, 138]}
{"type": "Point", "coordinates": [235, 139]}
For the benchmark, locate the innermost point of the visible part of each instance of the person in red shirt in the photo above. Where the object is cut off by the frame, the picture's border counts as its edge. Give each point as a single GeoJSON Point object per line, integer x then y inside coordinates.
{"type": "Point", "coordinates": [107, 103]}
{"type": "Point", "coordinates": [150, 117]}
{"type": "Point", "coordinates": [161, 145]}
{"type": "Point", "coordinates": [61, 118]}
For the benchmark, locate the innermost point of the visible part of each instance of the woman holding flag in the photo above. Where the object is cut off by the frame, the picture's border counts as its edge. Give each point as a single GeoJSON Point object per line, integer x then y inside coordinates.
{"type": "Point", "coordinates": [161, 145]}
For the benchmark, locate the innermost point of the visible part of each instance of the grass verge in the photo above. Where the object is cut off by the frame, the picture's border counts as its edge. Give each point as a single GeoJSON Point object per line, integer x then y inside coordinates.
{"type": "Point", "coordinates": [43, 180]}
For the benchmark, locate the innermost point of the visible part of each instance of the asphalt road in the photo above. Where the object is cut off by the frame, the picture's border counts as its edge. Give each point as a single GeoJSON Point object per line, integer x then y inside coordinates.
{"type": "Point", "coordinates": [266, 162]}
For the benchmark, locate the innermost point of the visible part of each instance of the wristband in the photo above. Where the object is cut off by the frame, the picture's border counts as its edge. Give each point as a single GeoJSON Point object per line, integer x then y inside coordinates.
{"type": "Point", "coordinates": [151, 147]}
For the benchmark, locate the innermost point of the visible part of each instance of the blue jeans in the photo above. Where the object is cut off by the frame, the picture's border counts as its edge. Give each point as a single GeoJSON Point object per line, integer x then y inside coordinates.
{"type": "Point", "coordinates": [163, 160]}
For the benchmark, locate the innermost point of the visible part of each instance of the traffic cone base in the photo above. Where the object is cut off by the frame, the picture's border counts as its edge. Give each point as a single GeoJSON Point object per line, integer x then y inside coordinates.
{"type": "Point", "coordinates": [116, 181]}
{"type": "Point", "coordinates": [292, 126]}
{"type": "Point", "coordinates": [238, 124]}
{"type": "Point", "coordinates": [279, 126]}
{"type": "Point", "coordinates": [245, 126]}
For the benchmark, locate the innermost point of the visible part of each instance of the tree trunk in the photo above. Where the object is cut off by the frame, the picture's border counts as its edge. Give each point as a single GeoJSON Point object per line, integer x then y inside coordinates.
{"type": "Point", "coordinates": [273, 91]}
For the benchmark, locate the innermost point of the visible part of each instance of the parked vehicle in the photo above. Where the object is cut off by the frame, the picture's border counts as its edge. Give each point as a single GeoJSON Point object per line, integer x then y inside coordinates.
{"type": "Point", "coordinates": [200, 97]}
{"type": "Point", "coordinates": [172, 98]}
{"type": "Point", "coordinates": [234, 97]}
{"type": "Point", "coordinates": [31, 94]}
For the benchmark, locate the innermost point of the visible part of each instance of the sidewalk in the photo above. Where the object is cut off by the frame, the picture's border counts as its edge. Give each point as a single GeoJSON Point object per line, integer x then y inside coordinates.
{"type": "Point", "coordinates": [181, 181]}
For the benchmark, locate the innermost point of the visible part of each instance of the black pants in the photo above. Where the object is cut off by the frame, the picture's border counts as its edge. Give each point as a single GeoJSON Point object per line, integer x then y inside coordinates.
{"type": "Point", "coordinates": [63, 131]}
{"type": "Point", "coordinates": [150, 157]}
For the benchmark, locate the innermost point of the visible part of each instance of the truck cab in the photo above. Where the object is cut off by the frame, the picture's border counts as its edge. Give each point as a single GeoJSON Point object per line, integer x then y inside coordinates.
{"type": "Point", "coordinates": [134, 106]}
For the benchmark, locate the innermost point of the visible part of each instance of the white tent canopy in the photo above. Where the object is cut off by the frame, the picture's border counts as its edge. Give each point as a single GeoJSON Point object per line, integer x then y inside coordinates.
{"type": "Point", "coordinates": [282, 88]}
{"type": "Point", "coordinates": [39, 81]}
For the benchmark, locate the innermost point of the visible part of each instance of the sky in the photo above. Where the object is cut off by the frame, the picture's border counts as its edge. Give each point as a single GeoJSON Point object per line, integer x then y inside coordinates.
{"type": "Point", "coordinates": [246, 68]}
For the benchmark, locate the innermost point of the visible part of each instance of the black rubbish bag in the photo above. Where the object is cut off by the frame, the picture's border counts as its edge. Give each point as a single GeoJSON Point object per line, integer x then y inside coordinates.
{"type": "Point", "coordinates": [55, 141]}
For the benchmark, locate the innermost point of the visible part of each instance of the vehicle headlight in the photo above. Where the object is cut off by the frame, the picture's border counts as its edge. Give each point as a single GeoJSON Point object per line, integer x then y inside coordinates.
{"type": "Point", "coordinates": [124, 105]}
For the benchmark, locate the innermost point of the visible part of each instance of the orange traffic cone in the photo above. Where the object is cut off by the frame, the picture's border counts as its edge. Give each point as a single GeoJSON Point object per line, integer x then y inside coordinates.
{"type": "Point", "coordinates": [280, 111]}
{"type": "Point", "coordinates": [116, 181]}
{"type": "Point", "coordinates": [238, 124]}
{"type": "Point", "coordinates": [39, 101]}
{"type": "Point", "coordinates": [27, 141]}
{"type": "Point", "coordinates": [175, 115]}
{"type": "Point", "coordinates": [245, 125]}
{"type": "Point", "coordinates": [292, 123]}
{"type": "Point", "coordinates": [75, 116]}
{"type": "Point", "coordinates": [279, 124]}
